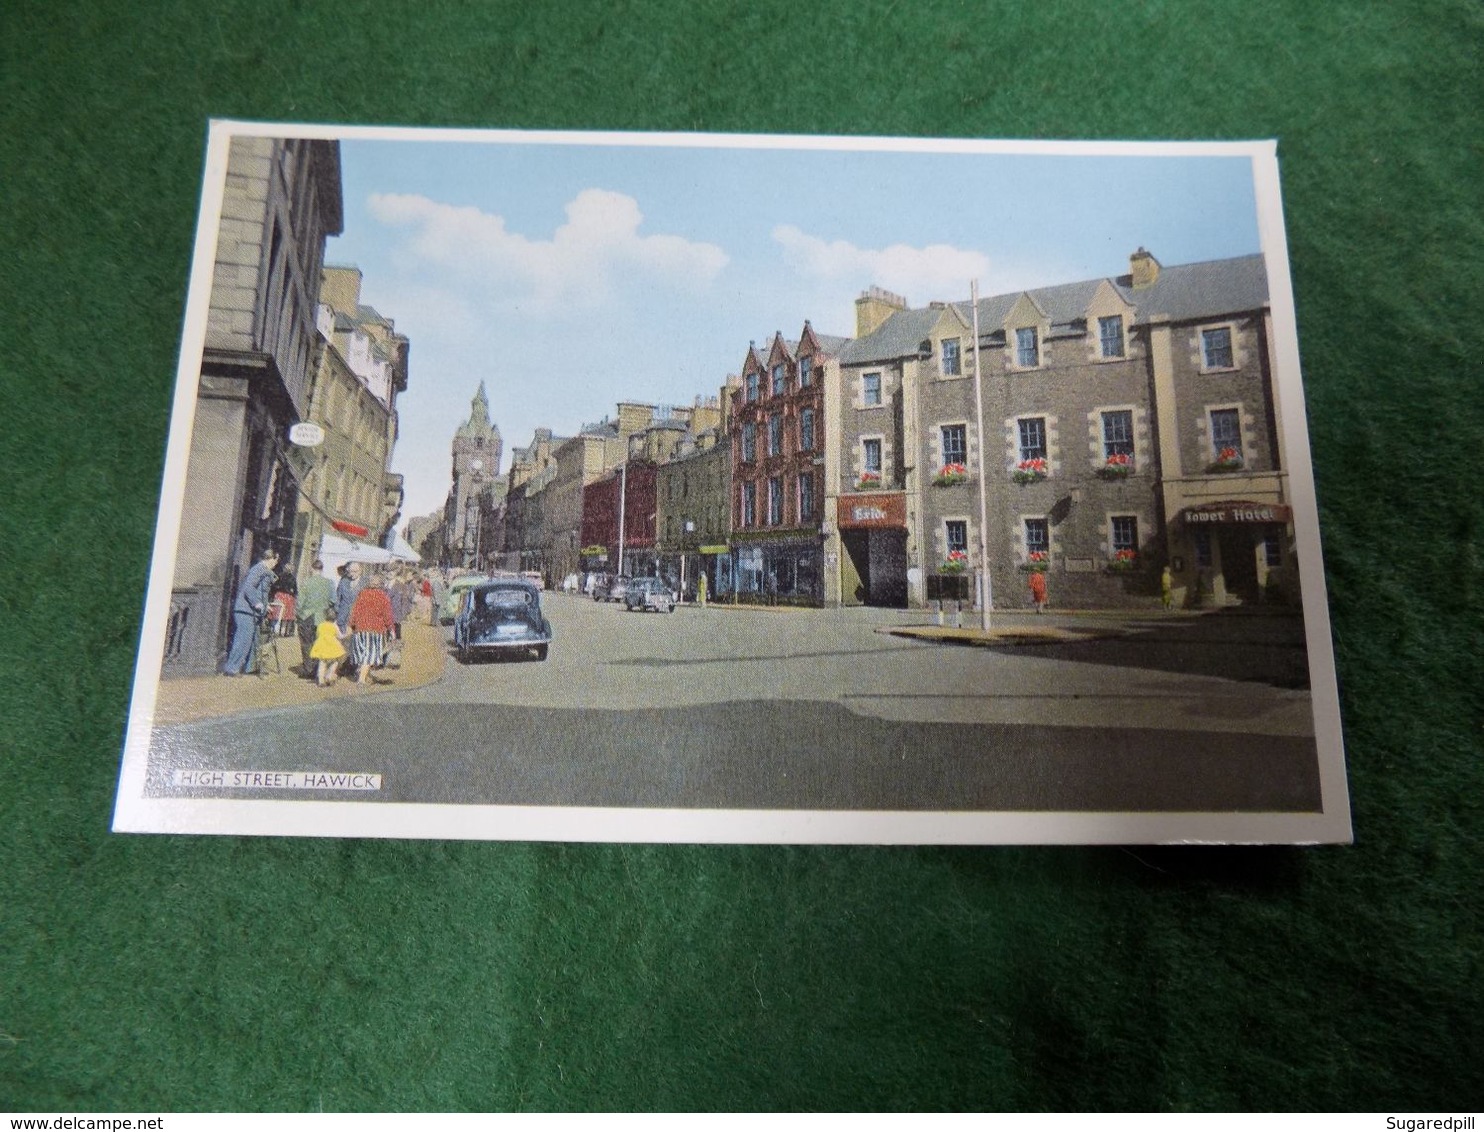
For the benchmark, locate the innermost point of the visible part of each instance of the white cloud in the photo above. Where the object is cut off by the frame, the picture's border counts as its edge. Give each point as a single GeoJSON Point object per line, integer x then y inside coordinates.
{"type": "Point", "coordinates": [599, 242]}
{"type": "Point", "coordinates": [938, 271]}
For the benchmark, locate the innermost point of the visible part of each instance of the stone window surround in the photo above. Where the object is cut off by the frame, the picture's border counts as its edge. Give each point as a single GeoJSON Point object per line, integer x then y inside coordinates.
{"type": "Point", "coordinates": [860, 390]}
{"type": "Point", "coordinates": [1246, 422]}
{"type": "Point", "coordinates": [939, 351]}
{"type": "Point", "coordinates": [1012, 348]}
{"type": "Point", "coordinates": [940, 537]}
{"type": "Point", "coordinates": [1143, 526]}
{"type": "Point", "coordinates": [1095, 329]}
{"type": "Point", "coordinates": [1053, 441]}
{"type": "Point", "coordinates": [858, 464]}
{"type": "Point", "coordinates": [1142, 439]}
{"type": "Point", "coordinates": [971, 444]}
{"type": "Point", "coordinates": [1198, 348]}
{"type": "Point", "coordinates": [1022, 547]}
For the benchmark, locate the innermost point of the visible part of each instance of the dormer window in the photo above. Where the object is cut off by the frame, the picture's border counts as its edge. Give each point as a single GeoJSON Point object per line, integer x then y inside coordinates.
{"type": "Point", "coordinates": [1110, 336]}
{"type": "Point", "coordinates": [1027, 348]}
{"type": "Point", "coordinates": [948, 364]}
{"type": "Point", "coordinates": [778, 383]}
{"type": "Point", "coordinates": [753, 382]}
{"type": "Point", "coordinates": [806, 371]}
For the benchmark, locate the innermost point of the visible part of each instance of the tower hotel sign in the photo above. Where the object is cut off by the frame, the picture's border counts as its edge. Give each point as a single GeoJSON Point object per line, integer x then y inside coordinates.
{"type": "Point", "coordinates": [1237, 511]}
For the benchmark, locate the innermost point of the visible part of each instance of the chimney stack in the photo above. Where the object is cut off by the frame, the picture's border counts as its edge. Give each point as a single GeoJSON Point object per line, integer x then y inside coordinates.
{"type": "Point", "coordinates": [874, 307]}
{"type": "Point", "coordinates": [1143, 268]}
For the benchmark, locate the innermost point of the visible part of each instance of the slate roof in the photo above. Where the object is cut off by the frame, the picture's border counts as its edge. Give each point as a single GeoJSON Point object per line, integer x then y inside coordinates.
{"type": "Point", "coordinates": [1182, 292]}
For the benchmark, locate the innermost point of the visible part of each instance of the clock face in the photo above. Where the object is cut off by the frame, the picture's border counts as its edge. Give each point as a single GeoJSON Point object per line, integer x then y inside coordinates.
{"type": "Point", "coordinates": [477, 465]}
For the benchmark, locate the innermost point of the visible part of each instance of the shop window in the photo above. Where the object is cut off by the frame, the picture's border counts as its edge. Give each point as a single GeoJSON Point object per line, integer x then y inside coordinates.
{"type": "Point", "coordinates": [1027, 348]}
{"type": "Point", "coordinates": [1216, 348]}
{"type": "Point", "coordinates": [1032, 432]}
{"type": "Point", "coordinates": [955, 444]}
{"type": "Point", "coordinates": [1118, 433]}
{"type": "Point", "coordinates": [949, 363]}
{"type": "Point", "coordinates": [871, 389]}
{"type": "Point", "coordinates": [1110, 336]}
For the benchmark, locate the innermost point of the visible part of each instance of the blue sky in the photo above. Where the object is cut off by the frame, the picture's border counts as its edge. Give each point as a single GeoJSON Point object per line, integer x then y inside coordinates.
{"type": "Point", "coordinates": [569, 277]}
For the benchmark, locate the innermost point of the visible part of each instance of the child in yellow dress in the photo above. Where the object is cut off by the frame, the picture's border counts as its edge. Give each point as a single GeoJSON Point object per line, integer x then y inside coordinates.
{"type": "Point", "coordinates": [328, 650]}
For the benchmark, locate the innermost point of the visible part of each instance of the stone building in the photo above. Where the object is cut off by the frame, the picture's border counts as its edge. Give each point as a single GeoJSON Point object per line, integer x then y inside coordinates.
{"type": "Point", "coordinates": [282, 199]}
{"type": "Point", "coordinates": [693, 489]}
{"type": "Point", "coordinates": [475, 450]}
{"type": "Point", "coordinates": [776, 433]}
{"type": "Point", "coordinates": [361, 364]}
{"type": "Point", "coordinates": [1130, 423]}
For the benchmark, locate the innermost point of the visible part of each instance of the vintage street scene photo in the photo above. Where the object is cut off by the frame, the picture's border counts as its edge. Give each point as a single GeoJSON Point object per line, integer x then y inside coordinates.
{"type": "Point", "coordinates": [700, 488]}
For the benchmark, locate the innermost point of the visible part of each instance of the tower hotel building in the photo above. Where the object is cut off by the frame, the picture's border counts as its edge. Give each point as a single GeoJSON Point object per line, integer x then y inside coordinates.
{"type": "Point", "coordinates": [1129, 424]}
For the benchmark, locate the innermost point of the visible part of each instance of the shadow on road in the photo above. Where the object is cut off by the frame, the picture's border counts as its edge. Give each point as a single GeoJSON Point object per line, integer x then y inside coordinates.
{"type": "Point", "coordinates": [1235, 646]}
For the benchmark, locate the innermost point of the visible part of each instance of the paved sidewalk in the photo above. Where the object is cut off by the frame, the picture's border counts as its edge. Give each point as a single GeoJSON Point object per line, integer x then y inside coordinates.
{"type": "Point", "coordinates": [193, 698]}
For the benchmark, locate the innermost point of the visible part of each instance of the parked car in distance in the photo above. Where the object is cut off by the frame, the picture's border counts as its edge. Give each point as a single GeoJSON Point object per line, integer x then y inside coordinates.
{"type": "Point", "coordinates": [649, 593]}
{"type": "Point", "coordinates": [501, 617]}
{"type": "Point", "coordinates": [455, 595]}
{"type": "Point", "coordinates": [609, 588]}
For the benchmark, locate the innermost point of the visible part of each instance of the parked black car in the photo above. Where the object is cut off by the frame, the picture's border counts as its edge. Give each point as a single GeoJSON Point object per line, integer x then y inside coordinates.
{"type": "Point", "coordinates": [501, 617]}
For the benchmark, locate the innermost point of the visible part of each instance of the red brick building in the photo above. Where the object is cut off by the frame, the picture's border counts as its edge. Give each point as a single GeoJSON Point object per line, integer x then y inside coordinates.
{"type": "Point", "coordinates": [777, 437]}
{"type": "Point", "coordinates": [634, 484]}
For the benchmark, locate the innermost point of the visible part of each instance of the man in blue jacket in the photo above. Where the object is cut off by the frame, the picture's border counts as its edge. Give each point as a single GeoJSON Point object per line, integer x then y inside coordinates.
{"type": "Point", "coordinates": [248, 610]}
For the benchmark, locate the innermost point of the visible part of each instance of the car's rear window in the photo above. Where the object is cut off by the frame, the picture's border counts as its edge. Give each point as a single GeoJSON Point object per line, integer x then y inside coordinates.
{"type": "Point", "coordinates": [504, 599]}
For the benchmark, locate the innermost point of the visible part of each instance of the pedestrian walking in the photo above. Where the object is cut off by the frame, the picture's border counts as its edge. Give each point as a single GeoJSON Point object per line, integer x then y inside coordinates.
{"type": "Point", "coordinates": [701, 590]}
{"type": "Point", "coordinates": [437, 591]}
{"type": "Point", "coordinates": [1166, 588]}
{"type": "Point", "coordinates": [345, 593]}
{"type": "Point", "coordinates": [401, 594]}
{"type": "Point", "coordinates": [1038, 590]}
{"type": "Point", "coordinates": [316, 603]}
{"type": "Point", "coordinates": [327, 652]}
{"type": "Point", "coordinates": [370, 622]}
{"type": "Point", "coordinates": [248, 611]}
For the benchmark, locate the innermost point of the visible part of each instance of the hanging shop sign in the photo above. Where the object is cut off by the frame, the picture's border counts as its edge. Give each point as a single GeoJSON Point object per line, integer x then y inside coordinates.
{"type": "Point", "coordinates": [345, 527]}
{"type": "Point", "coordinates": [721, 548]}
{"type": "Point", "coordinates": [306, 434]}
{"type": "Point", "coordinates": [1239, 511]}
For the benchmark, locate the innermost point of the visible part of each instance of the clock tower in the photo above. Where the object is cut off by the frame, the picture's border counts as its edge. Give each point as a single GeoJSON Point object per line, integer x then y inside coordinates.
{"type": "Point", "coordinates": [476, 463]}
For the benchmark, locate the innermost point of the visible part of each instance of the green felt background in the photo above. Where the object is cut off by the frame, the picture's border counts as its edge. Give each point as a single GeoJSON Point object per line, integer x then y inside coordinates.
{"type": "Point", "coordinates": [174, 973]}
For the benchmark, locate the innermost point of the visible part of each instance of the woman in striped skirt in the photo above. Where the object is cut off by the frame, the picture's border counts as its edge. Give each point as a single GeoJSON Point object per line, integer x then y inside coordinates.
{"type": "Point", "coordinates": [370, 625]}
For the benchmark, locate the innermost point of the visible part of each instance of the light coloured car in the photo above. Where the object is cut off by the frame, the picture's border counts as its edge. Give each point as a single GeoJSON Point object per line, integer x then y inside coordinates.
{"type": "Point", "coordinates": [455, 596]}
{"type": "Point", "coordinates": [649, 593]}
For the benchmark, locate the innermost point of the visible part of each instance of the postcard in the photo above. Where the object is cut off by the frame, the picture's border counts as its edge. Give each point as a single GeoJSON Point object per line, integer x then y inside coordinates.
{"type": "Point", "coordinates": [709, 488]}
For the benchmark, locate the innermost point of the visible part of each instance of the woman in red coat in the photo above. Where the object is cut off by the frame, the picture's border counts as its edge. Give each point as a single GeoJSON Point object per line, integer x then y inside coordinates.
{"type": "Point", "coordinates": [370, 623]}
{"type": "Point", "coordinates": [1038, 590]}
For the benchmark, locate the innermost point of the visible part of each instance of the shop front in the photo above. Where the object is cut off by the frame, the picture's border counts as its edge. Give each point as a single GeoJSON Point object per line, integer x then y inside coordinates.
{"type": "Point", "coordinates": [873, 540]}
{"type": "Point", "coordinates": [779, 571]}
{"type": "Point", "coordinates": [1236, 552]}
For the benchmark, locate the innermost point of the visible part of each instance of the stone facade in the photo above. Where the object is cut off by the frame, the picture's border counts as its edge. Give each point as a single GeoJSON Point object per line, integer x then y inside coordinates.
{"type": "Point", "coordinates": [282, 199]}
{"type": "Point", "coordinates": [1107, 406]}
